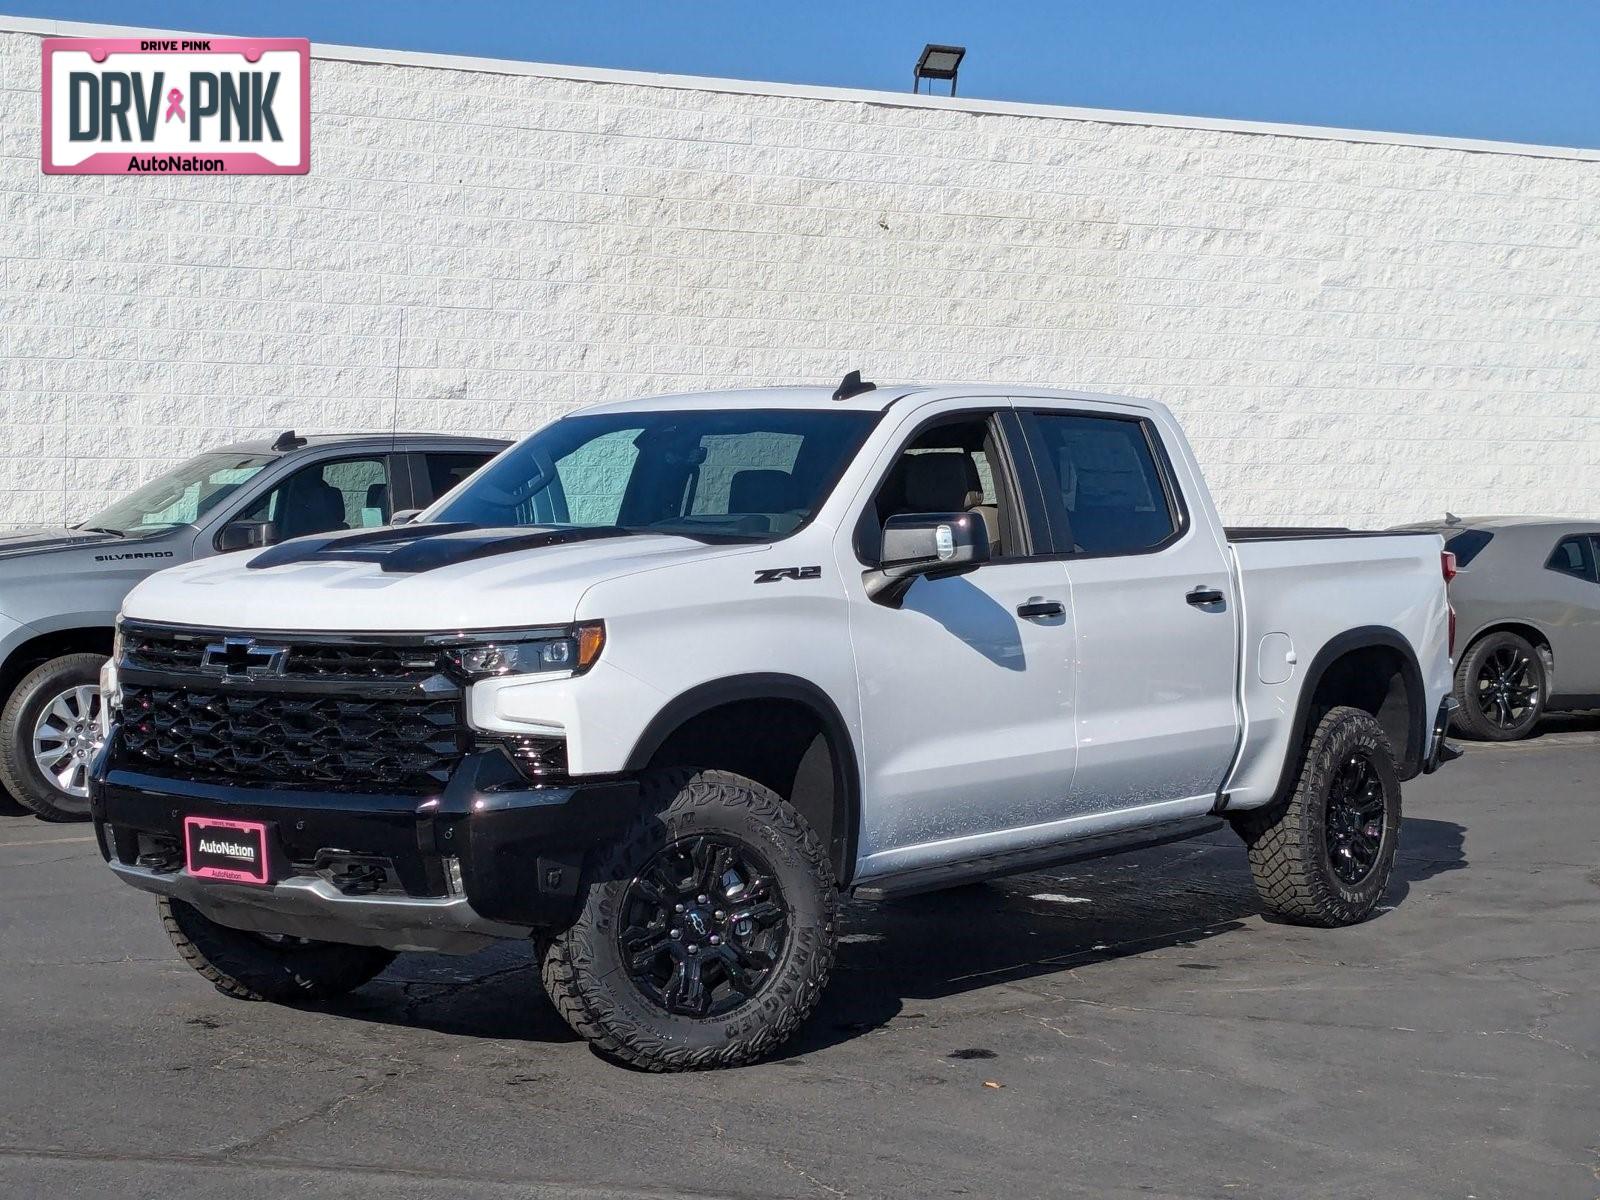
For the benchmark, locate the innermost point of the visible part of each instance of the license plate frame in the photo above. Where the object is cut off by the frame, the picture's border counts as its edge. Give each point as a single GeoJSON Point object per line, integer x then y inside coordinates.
{"type": "Point", "coordinates": [225, 859]}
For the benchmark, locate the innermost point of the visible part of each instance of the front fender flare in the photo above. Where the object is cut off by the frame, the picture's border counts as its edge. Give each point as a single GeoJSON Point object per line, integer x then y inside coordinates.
{"type": "Point", "coordinates": [715, 693]}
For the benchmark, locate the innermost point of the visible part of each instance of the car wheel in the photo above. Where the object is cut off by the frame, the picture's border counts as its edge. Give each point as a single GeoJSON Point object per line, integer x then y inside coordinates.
{"type": "Point", "coordinates": [706, 933]}
{"type": "Point", "coordinates": [1323, 855]}
{"type": "Point", "coordinates": [1500, 687]}
{"type": "Point", "coordinates": [258, 966]}
{"type": "Point", "coordinates": [49, 734]}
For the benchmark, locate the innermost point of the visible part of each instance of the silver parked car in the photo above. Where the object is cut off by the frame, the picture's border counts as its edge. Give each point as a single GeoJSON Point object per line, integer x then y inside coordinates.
{"type": "Point", "coordinates": [61, 587]}
{"type": "Point", "coordinates": [1527, 601]}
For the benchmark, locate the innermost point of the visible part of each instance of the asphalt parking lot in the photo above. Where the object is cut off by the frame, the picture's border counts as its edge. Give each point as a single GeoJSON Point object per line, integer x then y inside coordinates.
{"type": "Point", "coordinates": [1150, 1035]}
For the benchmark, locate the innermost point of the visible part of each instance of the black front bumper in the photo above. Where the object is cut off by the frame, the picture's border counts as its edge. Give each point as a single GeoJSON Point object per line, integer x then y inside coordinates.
{"type": "Point", "coordinates": [488, 854]}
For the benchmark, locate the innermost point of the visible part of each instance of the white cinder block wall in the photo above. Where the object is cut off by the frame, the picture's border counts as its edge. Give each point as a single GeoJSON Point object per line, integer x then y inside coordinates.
{"type": "Point", "coordinates": [1354, 327]}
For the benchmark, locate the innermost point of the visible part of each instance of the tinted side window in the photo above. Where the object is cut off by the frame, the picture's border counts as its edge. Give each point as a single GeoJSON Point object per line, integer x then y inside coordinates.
{"type": "Point", "coordinates": [352, 493]}
{"type": "Point", "coordinates": [1573, 556]}
{"type": "Point", "coordinates": [1468, 544]}
{"type": "Point", "coordinates": [445, 470]}
{"type": "Point", "coordinates": [1110, 484]}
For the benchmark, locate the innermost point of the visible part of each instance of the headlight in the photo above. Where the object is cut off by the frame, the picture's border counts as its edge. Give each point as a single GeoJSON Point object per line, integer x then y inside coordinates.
{"type": "Point", "coordinates": [117, 645]}
{"type": "Point", "coordinates": [573, 650]}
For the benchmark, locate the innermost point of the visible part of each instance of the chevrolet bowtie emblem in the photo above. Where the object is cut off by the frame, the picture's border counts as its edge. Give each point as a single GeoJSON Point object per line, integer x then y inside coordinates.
{"type": "Point", "coordinates": [241, 658]}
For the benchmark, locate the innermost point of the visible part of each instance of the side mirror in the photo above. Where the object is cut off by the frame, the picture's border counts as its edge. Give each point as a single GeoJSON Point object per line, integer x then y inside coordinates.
{"type": "Point", "coordinates": [931, 545]}
{"type": "Point", "coordinates": [246, 535]}
{"type": "Point", "coordinates": [405, 516]}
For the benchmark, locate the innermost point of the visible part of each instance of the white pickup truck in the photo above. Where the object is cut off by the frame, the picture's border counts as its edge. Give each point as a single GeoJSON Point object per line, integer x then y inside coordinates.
{"type": "Point", "coordinates": [660, 682]}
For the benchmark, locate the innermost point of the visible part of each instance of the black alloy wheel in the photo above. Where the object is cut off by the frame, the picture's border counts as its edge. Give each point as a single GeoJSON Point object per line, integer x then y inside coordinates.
{"type": "Point", "coordinates": [1322, 853]}
{"type": "Point", "coordinates": [1500, 686]}
{"type": "Point", "coordinates": [702, 925]}
{"type": "Point", "coordinates": [1506, 691]}
{"type": "Point", "coordinates": [704, 934]}
{"type": "Point", "coordinates": [1354, 818]}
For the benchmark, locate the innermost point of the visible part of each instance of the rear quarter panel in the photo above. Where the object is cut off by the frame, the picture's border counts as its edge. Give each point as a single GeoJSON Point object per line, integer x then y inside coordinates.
{"type": "Point", "coordinates": [1298, 595]}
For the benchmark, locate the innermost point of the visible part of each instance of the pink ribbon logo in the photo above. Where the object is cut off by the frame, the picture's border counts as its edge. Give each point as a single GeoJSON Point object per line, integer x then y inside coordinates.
{"type": "Point", "coordinates": [175, 105]}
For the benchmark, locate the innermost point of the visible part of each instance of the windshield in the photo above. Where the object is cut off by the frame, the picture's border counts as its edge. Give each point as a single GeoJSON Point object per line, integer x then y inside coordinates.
{"type": "Point", "coordinates": [181, 496]}
{"type": "Point", "coordinates": [717, 474]}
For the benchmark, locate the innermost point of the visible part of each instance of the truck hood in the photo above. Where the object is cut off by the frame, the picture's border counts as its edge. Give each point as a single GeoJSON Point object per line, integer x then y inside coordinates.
{"type": "Point", "coordinates": [347, 592]}
{"type": "Point", "coordinates": [42, 539]}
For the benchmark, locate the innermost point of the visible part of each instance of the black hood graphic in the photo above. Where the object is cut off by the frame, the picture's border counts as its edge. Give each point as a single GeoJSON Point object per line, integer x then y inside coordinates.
{"type": "Point", "coordinates": [412, 549]}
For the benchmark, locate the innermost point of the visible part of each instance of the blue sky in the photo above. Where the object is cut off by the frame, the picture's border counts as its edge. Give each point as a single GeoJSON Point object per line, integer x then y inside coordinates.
{"type": "Point", "coordinates": [1513, 70]}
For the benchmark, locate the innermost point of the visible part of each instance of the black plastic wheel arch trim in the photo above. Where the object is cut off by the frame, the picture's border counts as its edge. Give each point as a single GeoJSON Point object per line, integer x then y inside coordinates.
{"type": "Point", "coordinates": [1362, 637]}
{"type": "Point", "coordinates": [774, 686]}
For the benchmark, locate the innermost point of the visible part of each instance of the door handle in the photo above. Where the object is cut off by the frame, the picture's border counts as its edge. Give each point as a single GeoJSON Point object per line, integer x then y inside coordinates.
{"type": "Point", "coordinates": [1202, 596]}
{"type": "Point", "coordinates": [1038, 606]}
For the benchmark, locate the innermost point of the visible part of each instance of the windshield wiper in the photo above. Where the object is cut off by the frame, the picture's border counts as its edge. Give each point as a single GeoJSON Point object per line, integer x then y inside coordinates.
{"type": "Point", "coordinates": [99, 529]}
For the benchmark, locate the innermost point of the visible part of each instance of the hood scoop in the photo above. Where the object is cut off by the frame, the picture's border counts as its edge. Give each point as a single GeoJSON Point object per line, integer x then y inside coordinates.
{"type": "Point", "coordinates": [412, 549]}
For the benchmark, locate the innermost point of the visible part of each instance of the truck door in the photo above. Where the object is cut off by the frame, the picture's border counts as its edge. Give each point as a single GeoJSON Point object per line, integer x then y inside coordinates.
{"type": "Point", "coordinates": [1152, 598]}
{"type": "Point", "coordinates": [966, 686]}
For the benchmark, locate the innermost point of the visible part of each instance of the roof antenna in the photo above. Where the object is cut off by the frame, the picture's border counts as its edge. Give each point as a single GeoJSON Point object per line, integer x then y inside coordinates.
{"type": "Point", "coordinates": [853, 385]}
{"type": "Point", "coordinates": [288, 441]}
{"type": "Point", "coordinates": [1450, 518]}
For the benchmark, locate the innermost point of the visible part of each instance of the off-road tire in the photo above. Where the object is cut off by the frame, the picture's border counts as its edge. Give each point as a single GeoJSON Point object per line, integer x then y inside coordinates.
{"type": "Point", "coordinates": [582, 967]}
{"type": "Point", "coordinates": [21, 776]}
{"type": "Point", "coordinates": [1288, 841]}
{"type": "Point", "coordinates": [248, 966]}
{"type": "Point", "coordinates": [1469, 719]}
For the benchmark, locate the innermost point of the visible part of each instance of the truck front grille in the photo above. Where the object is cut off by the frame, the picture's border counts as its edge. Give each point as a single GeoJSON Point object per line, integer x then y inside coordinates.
{"type": "Point", "coordinates": [162, 649]}
{"type": "Point", "coordinates": [246, 739]}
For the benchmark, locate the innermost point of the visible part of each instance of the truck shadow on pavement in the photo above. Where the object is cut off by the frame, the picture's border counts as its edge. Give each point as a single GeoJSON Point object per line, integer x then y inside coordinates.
{"type": "Point", "coordinates": [1044, 925]}
{"type": "Point", "coordinates": [893, 955]}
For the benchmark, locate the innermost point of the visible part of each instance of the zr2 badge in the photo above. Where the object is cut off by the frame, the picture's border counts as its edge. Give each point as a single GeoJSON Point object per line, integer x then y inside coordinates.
{"type": "Point", "coordinates": [773, 574]}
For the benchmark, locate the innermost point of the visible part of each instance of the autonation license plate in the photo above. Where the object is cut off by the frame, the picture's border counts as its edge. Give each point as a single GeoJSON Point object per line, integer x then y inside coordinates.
{"type": "Point", "coordinates": [235, 851]}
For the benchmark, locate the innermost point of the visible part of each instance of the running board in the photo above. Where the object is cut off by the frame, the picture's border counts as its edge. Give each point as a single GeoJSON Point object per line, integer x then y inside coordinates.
{"type": "Point", "coordinates": [1034, 858]}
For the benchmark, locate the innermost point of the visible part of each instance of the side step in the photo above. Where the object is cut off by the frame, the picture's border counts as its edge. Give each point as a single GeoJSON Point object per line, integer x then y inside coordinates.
{"type": "Point", "coordinates": [1035, 858]}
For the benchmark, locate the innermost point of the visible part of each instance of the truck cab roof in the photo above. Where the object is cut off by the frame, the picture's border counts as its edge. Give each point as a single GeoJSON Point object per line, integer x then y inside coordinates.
{"type": "Point", "coordinates": [880, 398]}
{"type": "Point", "coordinates": [361, 441]}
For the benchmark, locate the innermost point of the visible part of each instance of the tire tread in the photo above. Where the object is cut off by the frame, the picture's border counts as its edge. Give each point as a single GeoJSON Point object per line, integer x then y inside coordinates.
{"type": "Point", "coordinates": [585, 1003]}
{"type": "Point", "coordinates": [1285, 855]}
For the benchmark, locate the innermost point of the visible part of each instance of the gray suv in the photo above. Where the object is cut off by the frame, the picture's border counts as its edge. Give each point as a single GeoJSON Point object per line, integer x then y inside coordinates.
{"type": "Point", "coordinates": [60, 588]}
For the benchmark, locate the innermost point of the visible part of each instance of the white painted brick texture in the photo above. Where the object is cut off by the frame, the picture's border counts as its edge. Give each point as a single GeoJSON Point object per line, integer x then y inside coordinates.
{"type": "Point", "coordinates": [1351, 332]}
